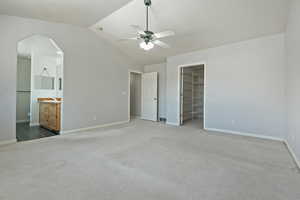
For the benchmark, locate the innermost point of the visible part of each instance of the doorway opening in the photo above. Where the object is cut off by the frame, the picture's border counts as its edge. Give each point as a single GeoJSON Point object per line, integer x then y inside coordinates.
{"type": "Point", "coordinates": [192, 89]}
{"type": "Point", "coordinates": [143, 96]}
{"type": "Point", "coordinates": [39, 89]}
{"type": "Point", "coordinates": [135, 93]}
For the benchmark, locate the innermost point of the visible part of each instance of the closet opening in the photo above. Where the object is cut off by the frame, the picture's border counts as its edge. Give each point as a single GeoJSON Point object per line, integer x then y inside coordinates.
{"type": "Point", "coordinates": [192, 92]}
{"type": "Point", "coordinates": [135, 95]}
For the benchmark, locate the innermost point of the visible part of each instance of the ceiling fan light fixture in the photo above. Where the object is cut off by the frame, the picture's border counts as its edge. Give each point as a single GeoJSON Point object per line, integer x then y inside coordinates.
{"type": "Point", "coordinates": [146, 46]}
{"type": "Point", "coordinates": [148, 38]}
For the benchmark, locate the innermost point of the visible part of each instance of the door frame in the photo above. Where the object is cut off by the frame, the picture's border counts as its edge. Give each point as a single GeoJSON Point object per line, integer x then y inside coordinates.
{"type": "Point", "coordinates": [180, 67]}
{"type": "Point", "coordinates": [129, 92]}
{"type": "Point", "coordinates": [58, 46]}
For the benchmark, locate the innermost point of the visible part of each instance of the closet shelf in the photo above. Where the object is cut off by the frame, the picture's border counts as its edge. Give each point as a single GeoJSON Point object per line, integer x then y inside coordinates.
{"type": "Point", "coordinates": [198, 84]}
{"type": "Point", "coordinates": [193, 80]}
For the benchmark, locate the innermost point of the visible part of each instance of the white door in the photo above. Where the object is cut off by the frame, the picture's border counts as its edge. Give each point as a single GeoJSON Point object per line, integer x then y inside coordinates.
{"type": "Point", "coordinates": [149, 96]}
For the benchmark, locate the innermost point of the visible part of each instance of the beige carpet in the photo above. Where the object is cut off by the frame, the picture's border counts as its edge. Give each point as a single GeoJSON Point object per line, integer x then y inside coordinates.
{"type": "Point", "coordinates": [148, 161]}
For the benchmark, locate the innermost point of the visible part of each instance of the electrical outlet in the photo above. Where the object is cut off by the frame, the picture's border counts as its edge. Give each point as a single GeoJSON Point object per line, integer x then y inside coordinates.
{"type": "Point", "coordinates": [95, 118]}
{"type": "Point", "coordinates": [293, 137]}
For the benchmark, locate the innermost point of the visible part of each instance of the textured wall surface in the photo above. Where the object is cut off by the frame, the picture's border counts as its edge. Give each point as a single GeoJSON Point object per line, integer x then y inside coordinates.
{"type": "Point", "coordinates": [95, 74]}
{"type": "Point", "coordinates": [293, 80]}
{"type": "Point", "coordinates": [245, 86]}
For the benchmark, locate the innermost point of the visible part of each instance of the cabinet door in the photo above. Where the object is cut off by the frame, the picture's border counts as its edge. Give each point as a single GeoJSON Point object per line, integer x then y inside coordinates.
{"type": "Point", "coordinates": [52, 117]}
{"type": "Point", "coordinates": [44, 114]}
{"type": "Point", "coordinates": [58, 116]}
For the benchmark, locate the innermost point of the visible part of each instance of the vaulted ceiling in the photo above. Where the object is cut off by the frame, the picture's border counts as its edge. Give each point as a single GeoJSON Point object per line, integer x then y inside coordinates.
{"type": "Point", "coordinates": [77, 12]}
{"type": "Point", "coordinates": [199, 24]}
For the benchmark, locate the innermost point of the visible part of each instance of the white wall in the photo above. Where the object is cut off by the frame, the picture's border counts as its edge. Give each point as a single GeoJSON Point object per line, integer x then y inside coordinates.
{"type": "Point", "coordinates": [95, 74]}
{"type": "Point", "coordinates": [293, 79]}
{"type": "Point", "coordinates": [245, 86]}
{"type": "Point", "coordinates": [23, 88]}
{"type": "Point", "coordinates": [161, 69]}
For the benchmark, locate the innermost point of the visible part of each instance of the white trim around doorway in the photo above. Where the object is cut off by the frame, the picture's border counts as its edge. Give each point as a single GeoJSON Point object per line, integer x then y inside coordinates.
{"type": "Point", "coordinates": [179, 89]}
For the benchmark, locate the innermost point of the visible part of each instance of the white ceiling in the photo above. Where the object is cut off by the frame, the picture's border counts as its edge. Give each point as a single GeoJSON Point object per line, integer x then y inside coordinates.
{"type": "Point", "coordinates": [77, 12]}
{"type": "Point", "coordinates": [199, 24]}
{"type": "Point", "coordinates": [43, 45]}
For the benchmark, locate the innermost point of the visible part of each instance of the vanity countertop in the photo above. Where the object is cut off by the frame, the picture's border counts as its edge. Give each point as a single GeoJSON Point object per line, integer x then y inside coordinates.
{"type": "Point", "coordinates": [50, 100]}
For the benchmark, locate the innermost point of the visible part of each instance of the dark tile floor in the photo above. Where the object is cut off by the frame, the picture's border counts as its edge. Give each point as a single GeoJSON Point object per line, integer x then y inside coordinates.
{"type": "Point", "coordinates": [25, 132]}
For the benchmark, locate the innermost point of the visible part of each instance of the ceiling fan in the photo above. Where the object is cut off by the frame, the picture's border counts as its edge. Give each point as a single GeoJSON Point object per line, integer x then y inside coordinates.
{"type": "Point", "coordinates": [148, 38]}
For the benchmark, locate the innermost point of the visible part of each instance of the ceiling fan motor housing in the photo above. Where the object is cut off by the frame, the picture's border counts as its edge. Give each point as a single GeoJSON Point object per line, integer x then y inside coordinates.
{"type": "Point", "coordinates": [148, 36]}
{"type": "Point", "coordinates": [147, 2]}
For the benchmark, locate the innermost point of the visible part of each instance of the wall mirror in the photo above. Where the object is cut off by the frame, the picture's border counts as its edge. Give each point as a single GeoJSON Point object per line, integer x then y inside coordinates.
{"type": "Point", "coordinates": [44, 82]}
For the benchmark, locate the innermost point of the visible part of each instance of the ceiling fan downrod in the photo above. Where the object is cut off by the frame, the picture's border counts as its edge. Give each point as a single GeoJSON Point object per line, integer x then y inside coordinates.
{"type": "Point", "coordinates": [147, 4]}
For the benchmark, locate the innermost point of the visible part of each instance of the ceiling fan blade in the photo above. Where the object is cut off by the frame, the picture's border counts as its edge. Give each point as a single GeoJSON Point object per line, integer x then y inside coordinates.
{"type": "Point", "coordinates": [138, 29]}
{"type": "Point", "coordinates": [161, 44]}
{"type": "Point", "coordinates": [164, 34]}
{"type": "Point", "coordinates": [128, 39]}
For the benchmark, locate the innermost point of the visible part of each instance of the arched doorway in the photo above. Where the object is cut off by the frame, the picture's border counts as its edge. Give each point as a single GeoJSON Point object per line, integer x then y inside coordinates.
{"type": "Point", "coordinates": [39, 88]}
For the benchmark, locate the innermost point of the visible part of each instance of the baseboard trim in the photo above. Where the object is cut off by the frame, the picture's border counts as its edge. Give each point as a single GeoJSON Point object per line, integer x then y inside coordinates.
{"type": "Point", "coordinates": [6, 142]}
{"type": "Point", "coordinates": [94, 127]}
{"type": "Point", "coordinates": [245, 134]}
{"type": "Point", "coordinates": [291, 151]}
{"type": "Point", "coordinates": [172, 123]}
